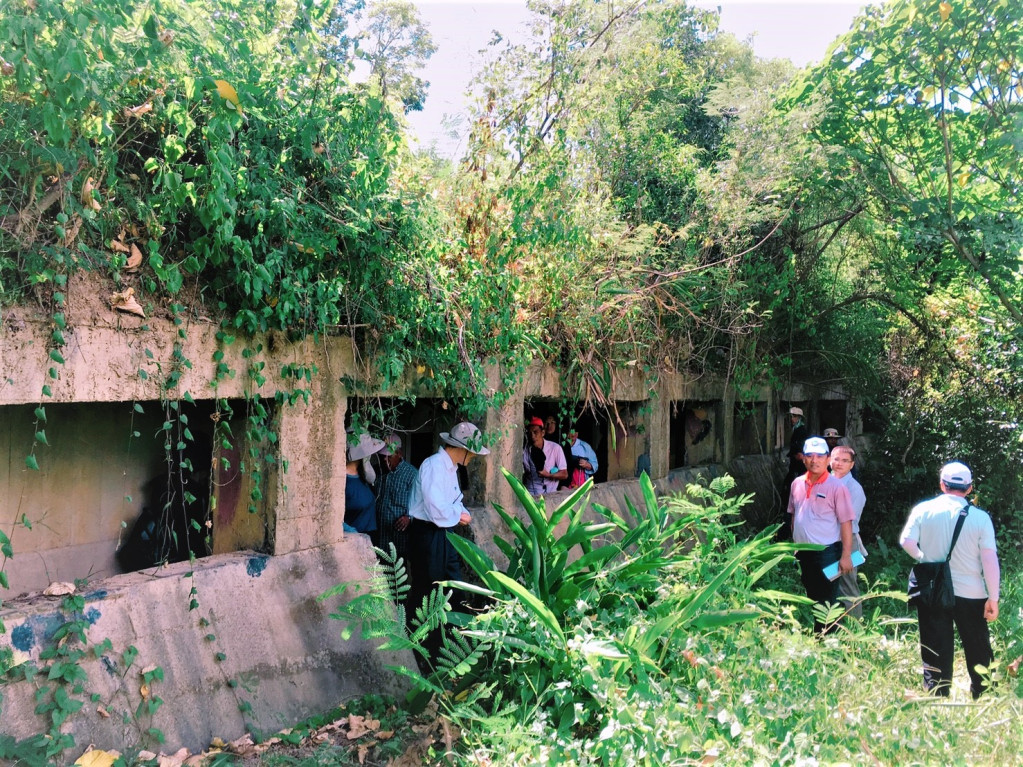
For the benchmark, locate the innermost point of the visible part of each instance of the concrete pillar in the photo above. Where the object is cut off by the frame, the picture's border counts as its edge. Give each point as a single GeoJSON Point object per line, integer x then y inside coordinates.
{"type": "Point", "coordinates": [657, 421]}
{"type": "Point", "coordinates": [728, 424]}
{"type": "Point", "coordinates": [504, 429]}
{"type": "Point", "coordinates": [312, 439]}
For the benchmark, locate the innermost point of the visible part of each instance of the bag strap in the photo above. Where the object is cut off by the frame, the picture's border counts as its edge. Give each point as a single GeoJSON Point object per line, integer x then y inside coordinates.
{"type": "Point", "coordinates": [959, 529]}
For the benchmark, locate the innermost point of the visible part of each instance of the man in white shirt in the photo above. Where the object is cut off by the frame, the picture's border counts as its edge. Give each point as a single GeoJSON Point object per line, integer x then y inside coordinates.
{"type": "Point", "coordinates": [436, 508]}
{"type": "Point", "coordinates": [976, 578]}
{"type": "Point", "coordinates": [842, 462]}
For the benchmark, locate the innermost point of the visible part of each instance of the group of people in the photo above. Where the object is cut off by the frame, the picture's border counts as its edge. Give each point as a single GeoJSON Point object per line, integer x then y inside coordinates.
{"type": "Point", "coordinates": [546, 466]}
{"type": "Point", "coordinates": [825, 506]}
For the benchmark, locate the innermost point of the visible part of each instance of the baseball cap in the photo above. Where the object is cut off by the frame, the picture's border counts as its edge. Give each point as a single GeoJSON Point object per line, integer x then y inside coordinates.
{"type": "Point", "coordinates": [795, 411]}
{"type": "Point", "coordinates": [534, 421]}
{"type": "Point", "coordinates": [957, 474]}
{"type": "Point", "coordinates": [815, 446]}
{"type": "Point", "coordinates": [831, 433]}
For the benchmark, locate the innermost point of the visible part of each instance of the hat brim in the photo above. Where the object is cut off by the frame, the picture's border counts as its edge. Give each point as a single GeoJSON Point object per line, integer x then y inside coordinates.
{"type": "Point", "coordinates": [447, 439]}
{"type": "Point", "coordinates": [365, 447]}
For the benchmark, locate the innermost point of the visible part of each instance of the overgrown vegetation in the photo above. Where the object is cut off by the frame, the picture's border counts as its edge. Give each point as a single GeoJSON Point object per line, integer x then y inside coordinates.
{"type": "Point", "coordinates": [660, 637]}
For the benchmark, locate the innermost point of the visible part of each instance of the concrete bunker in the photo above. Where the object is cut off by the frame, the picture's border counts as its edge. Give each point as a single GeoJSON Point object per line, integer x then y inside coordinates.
{"type": "Point", "coordinates": [123, 486]}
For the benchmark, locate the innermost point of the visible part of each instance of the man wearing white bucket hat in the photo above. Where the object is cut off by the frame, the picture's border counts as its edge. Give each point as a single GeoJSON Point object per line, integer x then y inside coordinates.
{"type": "Point", "coordinates": [436, 508]}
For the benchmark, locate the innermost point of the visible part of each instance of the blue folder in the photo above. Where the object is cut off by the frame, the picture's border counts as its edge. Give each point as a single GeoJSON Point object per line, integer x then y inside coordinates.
{"type": "Point", "coordinates": [831, 571]}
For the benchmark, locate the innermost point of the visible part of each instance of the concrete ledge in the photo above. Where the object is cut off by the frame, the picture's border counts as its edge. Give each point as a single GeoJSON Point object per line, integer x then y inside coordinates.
{"type": "Point", "coordinates": [258, 653]}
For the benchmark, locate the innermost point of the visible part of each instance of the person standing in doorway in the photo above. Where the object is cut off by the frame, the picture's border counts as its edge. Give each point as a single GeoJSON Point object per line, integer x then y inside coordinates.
{"type": "Point", "coordinates": [392, 509]}
{"type": "Point", "coordinates": [976, 578]}
{"type": "Point", "coordinates": [796, 439]}
{"type": "Point", "coordinates": [360, 516]}
{"type": "Point", "coordinates": [543, 461]}
{"type": "Point", "coordinates": [585, 459]}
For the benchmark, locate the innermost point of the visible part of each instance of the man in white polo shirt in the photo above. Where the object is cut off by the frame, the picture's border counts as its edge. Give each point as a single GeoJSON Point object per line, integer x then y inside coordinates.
{"type": "Point", "coordinates": [821, 513]}
{"type": "Point", "coordinates": [976, 578]}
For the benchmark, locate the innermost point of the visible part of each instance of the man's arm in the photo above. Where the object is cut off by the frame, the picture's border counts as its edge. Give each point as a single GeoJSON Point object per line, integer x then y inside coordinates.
{"type": "Point", "coordinates": [992, 579]}
{"type": "Point", "coordinates": [845, 564]}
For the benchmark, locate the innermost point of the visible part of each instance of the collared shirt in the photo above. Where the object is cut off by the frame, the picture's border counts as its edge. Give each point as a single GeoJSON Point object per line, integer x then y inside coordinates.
{"type": "Point", "coordinates": [393, 503]}
{"type": "Point", "coordinates": [932, 523]}
{"type": "Point", "coordinates": [819, 509]}
{"type": "Point", "coordinates": [554, 461]}
{"type": "Point", "coordinates": [436, 496]}
{"type": "Point", "coordinates": [856, 496]}
{"type": "Point", "coordinates": [582, 449]}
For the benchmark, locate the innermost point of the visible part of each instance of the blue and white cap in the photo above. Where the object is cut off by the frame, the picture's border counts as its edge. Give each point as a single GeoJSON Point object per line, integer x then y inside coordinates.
{"type": "Point", "coordinates": [956, 474]}
{"type": "Point", "coordinates": [815, 446]}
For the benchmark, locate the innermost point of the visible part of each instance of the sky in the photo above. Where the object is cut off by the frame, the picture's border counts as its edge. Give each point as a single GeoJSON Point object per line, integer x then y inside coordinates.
{"type": "Point", "coordinates": [799, 30]}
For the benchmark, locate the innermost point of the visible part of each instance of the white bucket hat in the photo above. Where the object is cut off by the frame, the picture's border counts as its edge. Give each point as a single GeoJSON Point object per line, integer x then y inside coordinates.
{"type": "Point", "coordinates": [465, 435]}
{"type": "Point", "coordinates": [363, 446]}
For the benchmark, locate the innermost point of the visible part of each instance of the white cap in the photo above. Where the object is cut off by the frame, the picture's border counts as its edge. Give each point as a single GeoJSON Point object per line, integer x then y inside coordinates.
{"type": "Point", "coordinates": [815, 446]}
{"type": "Point", "coordinates": [795, 411]}
{"type": "Point", "coordinates": [831, 433]}
{"type": "Point", "coordinates": [957, 474]}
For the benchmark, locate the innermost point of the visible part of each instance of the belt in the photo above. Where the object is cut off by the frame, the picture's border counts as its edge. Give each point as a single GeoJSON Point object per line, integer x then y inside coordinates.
{"type": "Point", "coordinates": [429, 525]}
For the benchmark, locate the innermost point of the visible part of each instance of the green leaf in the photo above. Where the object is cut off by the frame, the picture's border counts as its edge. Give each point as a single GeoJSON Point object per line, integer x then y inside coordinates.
{"type": "Point", "coordinates": [56, 357]}
{"type": "Point", "coordinates": [537, 608]}
{"type": "Point", "coordinates": [30, 461]}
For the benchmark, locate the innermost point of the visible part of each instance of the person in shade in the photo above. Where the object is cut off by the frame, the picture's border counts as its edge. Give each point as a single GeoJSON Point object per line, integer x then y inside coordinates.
{"type": "Point", "coordinates": [543, 462]}
{"type": "Point", "coordinates": [976, 578]}
{"type": "Point", "coordinates": [842, 463]}
{"type": "Point", "coordinates": [821, 513]}
{"type": "Point", "coordinates": [360, 513]}
{"type": "Point", "coordinates": [584, 458]}
{"type": "Point", "coordinates": [796, 439]}
{"type": "Point", "coordinates": [392, 508]}
{"type": "Point", "coordinates": [436, 508]}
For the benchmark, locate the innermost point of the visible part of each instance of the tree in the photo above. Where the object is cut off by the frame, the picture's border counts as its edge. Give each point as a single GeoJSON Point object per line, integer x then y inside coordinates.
{"type": "Point", "coordinates": [396, 44]}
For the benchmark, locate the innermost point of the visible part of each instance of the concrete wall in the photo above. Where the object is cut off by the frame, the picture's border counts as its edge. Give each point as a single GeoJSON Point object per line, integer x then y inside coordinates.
{"type": "Point", "coordinates": [275, 638]}
{"type": "Point", "coordinates": [260, 652]}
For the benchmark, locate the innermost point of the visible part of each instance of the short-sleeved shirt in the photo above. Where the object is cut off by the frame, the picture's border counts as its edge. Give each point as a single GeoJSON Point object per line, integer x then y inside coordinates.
{"type": "Point", "coordinates": [436, 495]}
{"type": "Point", "coordinates": [932, 523]}
{"type": "Point", "coordinates": [554, 461]}
{"type": "Point", "coordinates": [856, 496]}
{"type": "Point", "coordinates": [818, 511]}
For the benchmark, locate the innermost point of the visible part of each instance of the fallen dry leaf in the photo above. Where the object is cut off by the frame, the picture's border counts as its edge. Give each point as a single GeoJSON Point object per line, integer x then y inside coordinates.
{"type": "Point", "coordinates": [88, 197]}
{"type": "Point", "coordinates": [134, 260]}
{"type": "Point", "coordinates": [125, 302]}
{"type": "Point", "coordinates": [144, 691]}
{"type": "Point", "coordinates": [94, 757]}
{"type": "Point", "coordinates": [173, 760]}
{"type": "Point", "coordinates": [59, 589]}
{"type": "Point", "coordinates": [242, 745]}
{"type": "Point", "coordinates": [1013, 668]}
{"type": "Point", "coordinates": [360, 725]}
{"type": "Point", "coordinates": [217, 743]}
{"type": "Point", "coordinates": [146, 755]}
{"type": "Point", "coordinates": [364, 752]}
{"type": "Point", "coordinates": [102, 712]}
{"type": "Point", "coordinates": [385, 734]}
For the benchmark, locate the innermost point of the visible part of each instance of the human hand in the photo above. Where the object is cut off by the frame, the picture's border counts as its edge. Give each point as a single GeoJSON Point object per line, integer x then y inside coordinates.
{"type": "Point", "coordinates": [465, 518]}
{"type": "Point", "coordinates": [401, 523]}
{"type": "Point", "coordinates": [845, 564]}
{"type": "Point", "coordinates": [584, 464]}
{"type": "Point", "coordinates": [990, 610]}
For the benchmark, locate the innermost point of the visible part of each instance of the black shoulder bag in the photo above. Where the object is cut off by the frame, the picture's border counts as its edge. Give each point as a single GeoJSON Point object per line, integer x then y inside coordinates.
{"type": "Point", "coordinates": [930, 583]}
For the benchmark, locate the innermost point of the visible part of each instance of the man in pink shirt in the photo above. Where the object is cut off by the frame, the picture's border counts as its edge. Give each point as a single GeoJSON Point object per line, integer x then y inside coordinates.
{"type": "Point", "coordinates": [822, 513]}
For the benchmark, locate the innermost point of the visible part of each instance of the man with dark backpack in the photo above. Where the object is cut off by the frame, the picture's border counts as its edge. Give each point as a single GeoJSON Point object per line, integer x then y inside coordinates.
{"type": "Point", "coordinates": [948, 528]}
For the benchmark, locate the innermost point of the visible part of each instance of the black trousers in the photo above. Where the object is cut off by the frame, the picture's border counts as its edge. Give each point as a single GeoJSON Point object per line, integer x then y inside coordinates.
{"type": "Point", "coordinates": [431, 558]}
{"type": "Point", "coordinates": [818, 587]}
{"type": "Point", "coordinates": [937, 644]}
